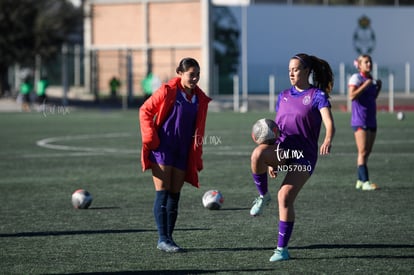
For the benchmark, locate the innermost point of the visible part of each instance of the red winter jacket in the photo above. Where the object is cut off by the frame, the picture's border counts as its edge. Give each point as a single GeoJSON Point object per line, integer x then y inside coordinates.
{"type": "Point", "coordinates": [155, 111]}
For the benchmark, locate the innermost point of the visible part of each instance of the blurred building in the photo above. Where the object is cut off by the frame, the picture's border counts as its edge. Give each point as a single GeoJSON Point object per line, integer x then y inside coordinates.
{"type": "Point", "coordinates": [130, 38]}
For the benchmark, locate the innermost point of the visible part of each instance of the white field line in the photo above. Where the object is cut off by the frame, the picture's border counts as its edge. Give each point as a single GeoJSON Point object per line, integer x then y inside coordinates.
{"type": "Point", "coordinates": [209, 149]}
{"type": "Point", "coordinates": [48, 143]}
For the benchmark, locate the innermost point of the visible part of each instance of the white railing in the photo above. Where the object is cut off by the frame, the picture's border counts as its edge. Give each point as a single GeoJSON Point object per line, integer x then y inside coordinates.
{"type": "Point", "coordinates": [343, 80]}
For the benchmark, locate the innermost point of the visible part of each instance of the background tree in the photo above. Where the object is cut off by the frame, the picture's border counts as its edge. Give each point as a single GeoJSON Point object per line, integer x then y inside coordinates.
{"type": "Point", "coordinates": [226, 46]}
{"type": "Point", "coordinates": [34, 27]}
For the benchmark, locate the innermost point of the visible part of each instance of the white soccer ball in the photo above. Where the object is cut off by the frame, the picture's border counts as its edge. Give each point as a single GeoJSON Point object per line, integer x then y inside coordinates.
{"type": "Point", "coordinates": [213, 199]}
{"type": "Point", "coordinates": [400, 116]}
{"type": "Point", "coordinates": [265, 131]}
{"type": "Point", "coordinates": [81, 199]}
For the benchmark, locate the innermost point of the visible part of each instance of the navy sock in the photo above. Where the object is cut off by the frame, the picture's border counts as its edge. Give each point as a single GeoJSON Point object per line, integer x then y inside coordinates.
{"type": "Point", "coordinates": [363, 173]}
{"type": "Point", "coordinates": [172, 212]}
{"type": "Point", "coordinates": [160, 214]}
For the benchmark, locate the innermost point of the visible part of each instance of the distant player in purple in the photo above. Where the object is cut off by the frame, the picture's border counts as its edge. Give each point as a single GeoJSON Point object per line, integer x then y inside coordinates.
{"type": "Point", "coordinates": [363, 90]}
{"type": "Point", "coordinates": [300, 113]}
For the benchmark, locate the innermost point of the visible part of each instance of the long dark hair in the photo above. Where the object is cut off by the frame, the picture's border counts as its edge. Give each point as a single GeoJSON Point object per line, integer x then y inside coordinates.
{"type": "Point", "coordinates": [322, 76]}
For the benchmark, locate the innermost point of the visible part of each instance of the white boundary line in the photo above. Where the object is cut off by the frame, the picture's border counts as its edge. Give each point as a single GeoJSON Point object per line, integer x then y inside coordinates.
{"type": "Point", "coordinates": [221, 150]}
{"type": "Point", "coordinates": [47, 143]}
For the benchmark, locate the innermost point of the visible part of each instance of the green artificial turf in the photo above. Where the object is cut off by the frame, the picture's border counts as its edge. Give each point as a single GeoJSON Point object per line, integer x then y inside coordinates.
{"type": "Point", "coordinates": [338, 230]}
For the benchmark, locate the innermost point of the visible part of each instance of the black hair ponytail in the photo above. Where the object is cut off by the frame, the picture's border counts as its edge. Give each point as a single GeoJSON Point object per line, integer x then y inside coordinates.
{"type": "Point", "coordinates": [323, 77]}
{"type": "Point", "coordinates": [322, 74]}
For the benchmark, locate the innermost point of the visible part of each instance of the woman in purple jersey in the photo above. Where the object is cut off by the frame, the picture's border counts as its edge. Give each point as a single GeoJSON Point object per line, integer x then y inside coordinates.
{"type": "Point", "coordinates": [300, 113]}
{"type": "Point", "coordinates": [363, 91]}
{"type": "Point", "coordinates": [172, 121]}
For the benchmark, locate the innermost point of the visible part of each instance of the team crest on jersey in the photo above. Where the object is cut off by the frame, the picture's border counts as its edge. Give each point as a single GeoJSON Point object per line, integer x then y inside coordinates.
{"type": "Point", "coordinates": [306, 100]}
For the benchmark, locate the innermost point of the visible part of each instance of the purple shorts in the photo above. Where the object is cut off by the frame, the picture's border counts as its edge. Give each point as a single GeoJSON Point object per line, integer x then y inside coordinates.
{"type": "Point", "coordinates": [295, 160]}
{"type": "Point", "coordinates": [298, 165]}
{"type": "Point", "coordinates": [169, 158]}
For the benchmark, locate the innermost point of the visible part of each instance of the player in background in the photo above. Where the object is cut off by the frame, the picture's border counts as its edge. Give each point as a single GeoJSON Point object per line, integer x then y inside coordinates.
{"type": "Point", "coordinates": [363, 90]}
{"type": "Point", "coordinates": [300, 111]}
{"type": "Point", "coordinates": [25, 92]}
{"type": "Point", "coordinates": [172, 124]}
{"type": "Point", "coordinates": [41, 87]}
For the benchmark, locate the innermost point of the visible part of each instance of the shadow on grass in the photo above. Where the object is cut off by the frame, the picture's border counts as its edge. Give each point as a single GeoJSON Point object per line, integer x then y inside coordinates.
{"type": "Point", "coordinates": [351, 246]}
{"type": "Point", "coordinates": [371, 247]}
{"type": "Point", "coordinates": [178, 272]}
{"type": "Point", "coordinates": [230, 249]}
{"type": "Point", "coordinates": [234, 209]}
{"type": "Point", "coordinates": [85, 232]}
{"type": "Point", "coordinates": [103, 208]}
{"type": "Point", "coordinates": [320, 246]}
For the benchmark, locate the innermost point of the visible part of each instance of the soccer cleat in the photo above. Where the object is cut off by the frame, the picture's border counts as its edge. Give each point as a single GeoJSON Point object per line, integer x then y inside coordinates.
{"type": "Point", "coordinates": [359, 184]}
{"type": "Point", "coordinates": [259, 203]}
{"type": "Point", "coordinates": [166, 246]}
{"type": "Point", "coordinates": [280, 254]}
{"type": "Point", "coordinates": [176, 247]}
{"type": "Point", "coordinates": [367, 186]}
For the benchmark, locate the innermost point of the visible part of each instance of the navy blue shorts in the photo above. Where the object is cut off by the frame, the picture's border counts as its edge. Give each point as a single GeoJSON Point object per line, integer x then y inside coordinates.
{"type": "Point", "coordinates": [365, 128]}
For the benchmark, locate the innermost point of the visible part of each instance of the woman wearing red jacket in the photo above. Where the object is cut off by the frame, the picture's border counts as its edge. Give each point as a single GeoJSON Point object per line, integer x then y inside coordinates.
{"type": "Point", "coordinates": [172, 124]}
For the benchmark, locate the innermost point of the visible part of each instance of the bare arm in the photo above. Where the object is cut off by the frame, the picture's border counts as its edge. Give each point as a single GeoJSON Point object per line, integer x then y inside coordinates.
{"type": "Point", "coordinates": [379, 86]}
{"type": "Point", "coordinates": [330, 130]}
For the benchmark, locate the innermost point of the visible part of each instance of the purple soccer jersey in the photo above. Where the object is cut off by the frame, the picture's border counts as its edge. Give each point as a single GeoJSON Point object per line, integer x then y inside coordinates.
{"type": "Point", "coordinates": [364, 108]}
{"type": "Point", "coordinates": [176, 134]}
{"type": "Point", "coordinates": [299, 121]}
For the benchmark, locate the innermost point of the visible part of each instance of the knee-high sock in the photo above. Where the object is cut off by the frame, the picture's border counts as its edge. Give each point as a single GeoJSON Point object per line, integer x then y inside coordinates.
{"type": "Point", "coordinates": [172, 212]}
{"type": "Point", "coordinates": [261, 183]}
{"type": "Point", "coordinates": [285, 231]}
{"type": "Point", "coordinates": [160, 214]}
{"type": "Point", "coordinates": [363, 173]}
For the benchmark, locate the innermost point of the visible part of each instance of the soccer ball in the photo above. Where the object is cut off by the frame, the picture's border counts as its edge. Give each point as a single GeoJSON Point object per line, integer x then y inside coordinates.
{"type": "Point", "coordinates": [81, 199]}
{"type": "Point", "coordinates": [213, 199]}
{"type": "Point", "coordinates": [400, 116]}
{"type": "Point", "coordinates": [265, 131]}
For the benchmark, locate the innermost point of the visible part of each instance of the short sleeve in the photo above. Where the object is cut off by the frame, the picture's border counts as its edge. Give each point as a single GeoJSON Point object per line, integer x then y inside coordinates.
{"type": "Point", "coordinates": [355, 80]}
{"type": "Point", "coordinates": [320, 100]}
{"type": "Point", "coordinates": [278, 101]}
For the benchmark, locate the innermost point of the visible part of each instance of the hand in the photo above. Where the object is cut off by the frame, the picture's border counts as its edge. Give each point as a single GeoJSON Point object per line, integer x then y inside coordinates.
{"type": "Point", "coordinates": [272, 172]}
{"type": "Point", "coordinates": [325, 148]}
{"type": "Point", "coordinates": [379, 84]}
{"type": "Point", "coordinates": [368, 82]}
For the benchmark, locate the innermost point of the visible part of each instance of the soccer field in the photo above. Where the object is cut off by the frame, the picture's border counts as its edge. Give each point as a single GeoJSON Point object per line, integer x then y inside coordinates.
{"type": "Point", "coordinates": [339, 230]}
